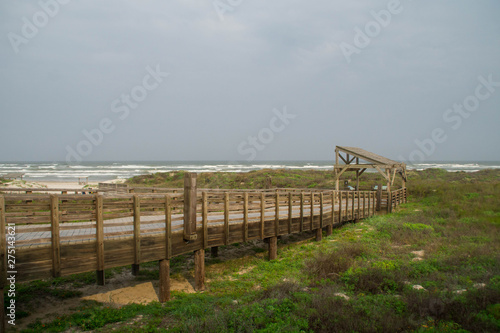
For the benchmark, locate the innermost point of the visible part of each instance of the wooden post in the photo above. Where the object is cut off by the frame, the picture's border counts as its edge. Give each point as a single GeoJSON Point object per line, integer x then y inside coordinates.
{"type": "Point", "coordinates": [277, 215]}
{"type": "Point", "coordinates": [56, 243]}
{"type": "Point", "coordinates": [226, 218]}
{"type": "Point", "coordinates": [354, 209]}
{"type": "Point", "coordinates": [164, 285]}
{"type": "Point", "coordinates": [389, 201]}
{"type": "Point", "coordinates": [347, 205]}
{"type": "Point", "coordinates": [199, 269]}
{"type": "Point", "coordinates": [273, 248]}
{"type": "Point", "coordinates": [204, 218]}
{"type": "Point", "coordinates": [321, 210]}
{"type": "Point", "coordinates": [190, 206]}
{"type": "Point", "coordinates": [245, 217]}
{"type": "Point", "coordinates": [290, 211]}
{"type": "Point", "coordinates": [99, 239]}
{"type": "Point", "coordinates": [329, 228]}
{"type": "Point", "coordinates": [369, 203]}
{"type": "Point", "coordinates": [3, 264]}
{"type": "Point", "coordinates": [262, 213]}
{"type": "Point", "coordinates": [379, 197]}
{"type": "Point", "coordinates": [164, 264]}
{"type": "Point", "coordinates": [168, 227]}
{"type": "Point", "coordinates": [312, 211]}
{"type": "Point", "coordinates": [137, 235]}
{"type": "Point", "coordinates": [340, 206]}
{"type": "Point", "coordinates": [301, 211]}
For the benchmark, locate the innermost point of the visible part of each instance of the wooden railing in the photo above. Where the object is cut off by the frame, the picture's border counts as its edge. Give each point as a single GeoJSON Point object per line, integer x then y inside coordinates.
{"type": "Point", "coordinates": [63, 234]}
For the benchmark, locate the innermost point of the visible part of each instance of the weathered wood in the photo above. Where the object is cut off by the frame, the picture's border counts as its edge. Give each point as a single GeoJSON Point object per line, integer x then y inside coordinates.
{"type": "Point", "coordinates": [137, 235]}
{"type": "Point", "coordinates": [204, 218]}
{"type": "Point", "coordinates": [277, 215]}
{"type": "Point", "coordinates": [168, 228]}
{"type": "Point", "coordinates": [99, 240]}
{"type": "Point", "coordinates": [273, 248]}
{"type": "Point", "coordinates": [290, 212]}
{"type": "Point", "coordinates": [389, 201]}
{"type": "Point", "coordinates": [56, 242]}
{"type": "Point", "coordinates": [321, 210]}
{"type": "Point", "coordinates": [226, 218]}
{"type": "Point", "coordinates": [311, 215]}
{"type": "Point", "coordinates": [245, 217]}
{"type": "Point", "coordinates": [301, 211]}
{"type": "Point", "coordinates": [319, 234]}
{"type": "Point", "coordinates": [164, 280]}
{"type": "Point", "coordinates": [262, 213]}
{"type": "Point", "coordinates": [354, 209]}
{"type": "Point", "coordinates": [199, 269]}
{"type": "Point", "coordinates": [190, 206]}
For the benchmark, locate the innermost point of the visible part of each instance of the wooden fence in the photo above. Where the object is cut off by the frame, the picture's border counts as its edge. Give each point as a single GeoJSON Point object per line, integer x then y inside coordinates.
{"type": "Point", "coordinates": [63, 234]}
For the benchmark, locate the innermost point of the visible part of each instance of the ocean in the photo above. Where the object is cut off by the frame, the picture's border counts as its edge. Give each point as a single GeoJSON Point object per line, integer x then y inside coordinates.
{"type": "Point", "coordinates": [103, 171]}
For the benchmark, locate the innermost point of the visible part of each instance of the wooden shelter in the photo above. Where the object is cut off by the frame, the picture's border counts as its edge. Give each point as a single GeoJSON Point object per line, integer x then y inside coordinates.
{"type": "Point", "coordinates": [386, 167]}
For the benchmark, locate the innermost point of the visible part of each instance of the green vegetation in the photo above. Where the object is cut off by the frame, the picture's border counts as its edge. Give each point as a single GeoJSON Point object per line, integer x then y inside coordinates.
{"type": "Point", "coordinates": [432, 266]}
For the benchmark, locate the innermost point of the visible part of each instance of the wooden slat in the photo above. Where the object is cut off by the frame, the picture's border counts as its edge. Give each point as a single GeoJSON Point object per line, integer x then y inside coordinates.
{"type": "Point", "coordinates": [56, 243]}
{"type": "Point", "coordinates": [204, 218]}
{"type": "Point", "coordinates": [226, 218]}
{"type": "Point", "coordinates": [99, 232]}
{"type": "Point", "coordinates": [277, 215]}
{"type": "Point", "coordinates": [137, 230]}
{"type": "Point", "coordinates": [290, 211]}
{"type": "Point", "coordinates": [301, 211]}
{"type": "Point", "coordinates": [262, 214]}
{"type": "Point", "coordinates": [168, 226]}
{"type": "Point", "coordinates": [245, 217]}
{"type": "Point", "coordinates": [321, 210]}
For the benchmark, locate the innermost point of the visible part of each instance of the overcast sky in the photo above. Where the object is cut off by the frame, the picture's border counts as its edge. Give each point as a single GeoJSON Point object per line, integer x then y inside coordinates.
{"type": "Point", "coordinates": [249, 79]}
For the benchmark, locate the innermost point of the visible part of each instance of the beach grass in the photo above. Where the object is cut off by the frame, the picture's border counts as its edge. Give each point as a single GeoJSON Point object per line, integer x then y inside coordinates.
{"type": "Point", "coordinates": [431, 266]}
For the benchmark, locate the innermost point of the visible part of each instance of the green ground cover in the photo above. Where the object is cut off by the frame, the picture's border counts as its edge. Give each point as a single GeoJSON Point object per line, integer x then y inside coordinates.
{"type": "Point", "coordinates": [431, 266]}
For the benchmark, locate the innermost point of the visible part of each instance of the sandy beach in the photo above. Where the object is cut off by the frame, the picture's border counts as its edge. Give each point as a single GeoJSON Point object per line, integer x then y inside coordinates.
{"type": "Point", "coordinates": [55, 184]}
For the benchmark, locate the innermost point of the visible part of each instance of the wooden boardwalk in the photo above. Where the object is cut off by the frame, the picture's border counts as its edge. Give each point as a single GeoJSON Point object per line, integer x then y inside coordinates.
{"type": "Point", "coordinates": [61, 234]}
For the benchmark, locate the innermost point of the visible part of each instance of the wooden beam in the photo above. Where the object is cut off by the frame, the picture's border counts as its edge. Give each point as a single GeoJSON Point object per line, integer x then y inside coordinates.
{"type": "Point", "coordinates": [273, 248]}
{"type": "Point", "coordinates": [226, 218]}
{"type": "Point", "coordinates": [199, 269]}
{"type": "Point", "coordinates": [137, 234]}
{"type": "Point", "coordinates": [204, 218]}
{"type": "Point", "coordinates": [290, 211]}
{"type": "Point", "coordinates": [168, 227]}
{"type": "Point", "coordinates": [343, 159]}
{"type": "Point", "coordinates": [245, 217]}
{"type": "Point", "coordinates": [277, 214]}
{"type": "Point", "coordinates": [99, 239]}
{"type": "Point", "coordinates": [190, 198]}
{"type": "Point", "coordinates": [301, 211]}
{"type": "Point", "coordinates": [262, 214]}
{"type": "Point", "coordinates": [56, 242]}
{"type": "Point", "coordinates": [164, 281]}
{"type": "Point", "coordinates": [381, 172]}
{"type": "Point", "coordinates": [361, 171]}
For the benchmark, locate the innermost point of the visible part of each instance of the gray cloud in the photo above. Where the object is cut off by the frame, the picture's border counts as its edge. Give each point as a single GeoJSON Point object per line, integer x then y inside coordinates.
{"type": "Point", "coordinates": [227, 76]}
